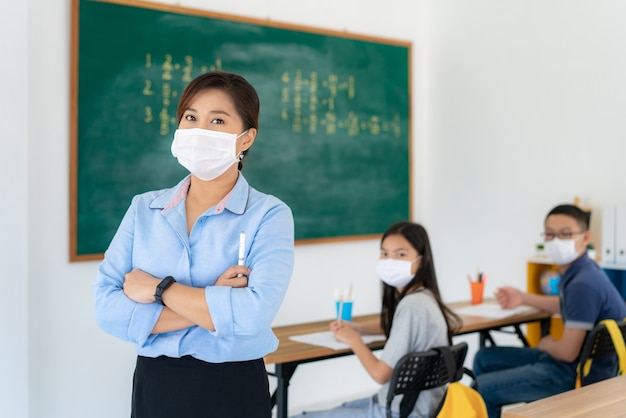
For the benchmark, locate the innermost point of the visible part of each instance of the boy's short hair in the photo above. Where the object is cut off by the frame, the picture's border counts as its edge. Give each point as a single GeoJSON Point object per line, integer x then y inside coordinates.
{"type": "Point", "coordinates": [573, 211]}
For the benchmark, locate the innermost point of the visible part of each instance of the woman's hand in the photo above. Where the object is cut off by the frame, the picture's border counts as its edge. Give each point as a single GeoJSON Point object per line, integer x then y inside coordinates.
{"type": "Point", "coordinates": [140, 286]}
{"type": "Point", "coordinates": [234, 276]}
{"type": "Point", "coordinates": [509, 297]}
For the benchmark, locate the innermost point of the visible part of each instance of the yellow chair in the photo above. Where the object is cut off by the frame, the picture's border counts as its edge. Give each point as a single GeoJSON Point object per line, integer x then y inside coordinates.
{"type": "Point", "coordinates": [440, 366]}
{"type": "Point", "coordinates": [605, 339]}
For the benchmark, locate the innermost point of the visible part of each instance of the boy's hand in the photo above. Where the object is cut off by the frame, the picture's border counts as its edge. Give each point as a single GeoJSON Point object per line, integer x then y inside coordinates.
{"type": "Point", "coordinates": [509, 297]}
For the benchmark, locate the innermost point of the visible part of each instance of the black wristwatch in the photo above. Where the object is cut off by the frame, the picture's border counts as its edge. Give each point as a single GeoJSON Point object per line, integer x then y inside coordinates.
{"type": "Point", "coordinates": [161, 287]}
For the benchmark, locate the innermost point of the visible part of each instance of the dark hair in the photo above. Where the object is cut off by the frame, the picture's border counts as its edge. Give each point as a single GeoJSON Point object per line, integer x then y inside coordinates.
{"type": "Point", "coordinates": [243, 95]}
{"type": "Point", "coordinates": [425, 276]}
{"type": "Point", "coordinates": [580, 216]}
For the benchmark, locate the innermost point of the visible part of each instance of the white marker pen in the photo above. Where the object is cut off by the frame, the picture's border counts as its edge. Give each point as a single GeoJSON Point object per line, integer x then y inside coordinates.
{"type": "Point", "coordinates": [242, 246]}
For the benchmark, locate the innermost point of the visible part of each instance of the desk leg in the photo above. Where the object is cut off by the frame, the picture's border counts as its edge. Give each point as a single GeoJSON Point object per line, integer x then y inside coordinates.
{"type": "Point", "coordinates": [521, 336]}
{"type": "Point", "coordinates": [484, 337]}
{"type": "Point", "coordinates": [283, 373]}
{"type": "Point", "coordinates": [545, 326]}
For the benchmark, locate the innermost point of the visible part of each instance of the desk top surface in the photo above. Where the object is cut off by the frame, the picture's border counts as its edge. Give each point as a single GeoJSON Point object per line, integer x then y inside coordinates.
{"type": "Point", "coordinates": [289, 350]}
{"type": "Point", "coordinates": [603, 399]}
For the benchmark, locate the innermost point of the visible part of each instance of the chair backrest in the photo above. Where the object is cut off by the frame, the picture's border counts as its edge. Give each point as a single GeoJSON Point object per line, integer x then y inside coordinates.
{"type": "Point", "coordinates": [603, 340]}
{"type": "Point", "coordinates": [423, 370]}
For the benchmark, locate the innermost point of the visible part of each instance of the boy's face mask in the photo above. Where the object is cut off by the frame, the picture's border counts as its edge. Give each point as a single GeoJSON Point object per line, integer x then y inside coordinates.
{"type": "Point", "coordinates": [561, 251]}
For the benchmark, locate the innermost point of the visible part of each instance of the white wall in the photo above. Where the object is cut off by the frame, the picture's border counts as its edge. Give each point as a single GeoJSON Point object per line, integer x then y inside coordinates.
{"type": "Point", "coordinates": [515, 106]}
{"type": "Point", "coordinates": [13, 212]}
{"type": "Point", "coordinates": [526, 100]}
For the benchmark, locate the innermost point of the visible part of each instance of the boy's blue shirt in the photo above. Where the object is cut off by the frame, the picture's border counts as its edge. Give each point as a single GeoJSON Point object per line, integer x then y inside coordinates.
{"type": "Point", "coordinates": [587, 297]}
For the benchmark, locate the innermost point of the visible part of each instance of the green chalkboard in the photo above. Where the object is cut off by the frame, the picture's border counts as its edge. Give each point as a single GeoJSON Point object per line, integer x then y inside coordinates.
{"type": "Point", "coordinates": [334, 134]}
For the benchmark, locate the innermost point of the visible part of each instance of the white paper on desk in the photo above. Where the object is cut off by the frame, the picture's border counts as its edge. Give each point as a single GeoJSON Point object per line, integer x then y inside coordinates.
{"type": "Point", "coordinates": [493, 310]}
{"type": "Point", "coordinates": [327, 339]}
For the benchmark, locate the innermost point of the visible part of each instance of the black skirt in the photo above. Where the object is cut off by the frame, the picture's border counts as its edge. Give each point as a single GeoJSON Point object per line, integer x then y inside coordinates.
{"type": "Point", "coordinates": [186, 387]}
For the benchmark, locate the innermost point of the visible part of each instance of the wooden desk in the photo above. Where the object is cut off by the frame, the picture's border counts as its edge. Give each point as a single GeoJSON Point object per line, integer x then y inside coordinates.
{"type": "Point", "coordinates": [484, 326]}
{"type": "Point", "coordinates": [290, 353]}
{"type": "Point", "coordinates": [603, 399]}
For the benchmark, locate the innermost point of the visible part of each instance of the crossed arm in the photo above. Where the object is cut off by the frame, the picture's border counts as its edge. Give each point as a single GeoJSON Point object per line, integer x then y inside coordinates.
{"type": "Point", "coordinates": [185, 305]}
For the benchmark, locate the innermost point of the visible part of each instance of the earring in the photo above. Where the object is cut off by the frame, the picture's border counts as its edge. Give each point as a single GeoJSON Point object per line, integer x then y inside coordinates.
{"type": "Point", "coordinates": [241, 155]}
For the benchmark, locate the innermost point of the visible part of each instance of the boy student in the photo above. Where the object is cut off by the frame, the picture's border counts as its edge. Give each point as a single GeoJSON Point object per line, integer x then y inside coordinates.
{"type": "Point", "coordinates": [508, 375]}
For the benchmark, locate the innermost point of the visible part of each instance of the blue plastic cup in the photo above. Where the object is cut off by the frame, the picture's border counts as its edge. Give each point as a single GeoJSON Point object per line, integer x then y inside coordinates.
{"type": "Point", "coordinates": [346, 311]}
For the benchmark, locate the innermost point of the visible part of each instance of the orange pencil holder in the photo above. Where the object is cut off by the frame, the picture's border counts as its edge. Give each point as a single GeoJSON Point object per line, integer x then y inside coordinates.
{"type": "Point", "coordinates": [477, 289]}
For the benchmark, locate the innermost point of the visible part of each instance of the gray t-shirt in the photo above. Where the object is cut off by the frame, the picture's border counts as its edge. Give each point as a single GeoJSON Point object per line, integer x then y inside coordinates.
{"type": "Point", "coordinates": [418, 325]}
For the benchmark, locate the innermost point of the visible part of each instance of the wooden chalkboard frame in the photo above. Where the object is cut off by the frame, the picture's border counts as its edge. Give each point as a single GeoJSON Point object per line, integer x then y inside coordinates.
{"type": "Point", "coordinates": [75, 141]}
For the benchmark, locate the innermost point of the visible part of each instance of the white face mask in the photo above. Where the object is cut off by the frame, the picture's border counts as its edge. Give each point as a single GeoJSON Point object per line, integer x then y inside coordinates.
{"type": "Point", "coordinates": [561, 251]}
{"type": "Point", "coordinates": [396, 273]}
{"type": "Point", "coordinates": [206, 154]}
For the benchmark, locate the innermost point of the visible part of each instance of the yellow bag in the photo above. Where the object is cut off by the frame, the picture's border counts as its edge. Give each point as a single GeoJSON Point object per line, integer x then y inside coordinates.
{"type": "Point", "coordinates": [462, 401]}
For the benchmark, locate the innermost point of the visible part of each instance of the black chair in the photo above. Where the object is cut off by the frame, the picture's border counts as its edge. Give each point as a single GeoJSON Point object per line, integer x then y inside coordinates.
{"type": "Point", "coordinates": [598, 343]}
{"type": "Point", "coordinates": [425, 370]}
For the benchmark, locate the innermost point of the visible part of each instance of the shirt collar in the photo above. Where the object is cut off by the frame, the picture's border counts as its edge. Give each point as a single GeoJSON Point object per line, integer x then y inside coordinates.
{"type": "Point", "coordinates": [575, 266]}
{"type": "Point", "coordinates": [235, 201]}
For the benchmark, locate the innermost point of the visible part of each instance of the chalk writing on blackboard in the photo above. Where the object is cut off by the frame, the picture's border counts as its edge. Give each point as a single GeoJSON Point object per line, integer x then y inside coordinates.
{"type": "Point", "coordinates": [307, 101]}
{"type": "Point", "coordinates": [334, 129]}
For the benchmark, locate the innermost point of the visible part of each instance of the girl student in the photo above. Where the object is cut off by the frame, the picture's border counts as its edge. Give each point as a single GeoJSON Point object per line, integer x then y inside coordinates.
{"type": "Point", "coordinates": [413, 318]}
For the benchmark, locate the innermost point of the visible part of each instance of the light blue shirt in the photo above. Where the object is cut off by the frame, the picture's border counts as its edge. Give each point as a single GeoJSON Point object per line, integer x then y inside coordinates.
{"type": "Point", "coordinates": [153, 237]}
